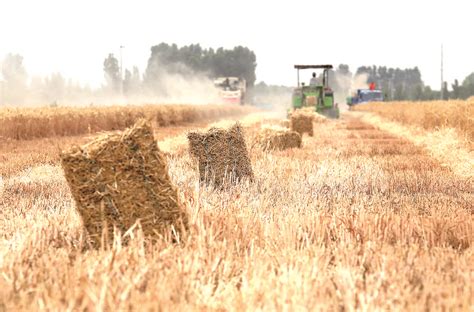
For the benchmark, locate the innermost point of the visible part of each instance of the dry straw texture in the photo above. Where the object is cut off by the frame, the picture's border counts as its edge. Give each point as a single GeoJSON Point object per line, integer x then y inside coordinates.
{"type": "Point", "coordinates": [358, 219]}
{"type": "Point", "coordinates": [302, 122]}
{"type": "Point", "coordinates": [118, 179]}
{"type": "Point", "coordinates": [277, 138]}
{"type": "Point", "coordinates": [284, 123]}
{"type": "Point", "coordinates": [429, 115]}
{"type": "Point", "coordinates": [222, 155]}
{"type": "Point", "coordinates": [27, 124]}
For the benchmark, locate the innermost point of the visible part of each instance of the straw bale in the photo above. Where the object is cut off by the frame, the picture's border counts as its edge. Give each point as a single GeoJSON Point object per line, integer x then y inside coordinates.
{"type": "Point", "coordinates": [278, 138]}
{"type": "Point", "coordinates": [222, 155]}
{"type": "Point", "coordinates": [120, 178]}
{"type": "Point", "coordinates": [311, 100]}
{"type": "Point", "coordinates": [302, 122]}
{"type": "Point", "coordinates": [284, 123]}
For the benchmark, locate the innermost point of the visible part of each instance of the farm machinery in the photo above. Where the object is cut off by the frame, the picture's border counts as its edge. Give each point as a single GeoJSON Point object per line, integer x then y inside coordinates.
{"type": "Point", "coordinates": [232, 90]}
{"type": "Point", "coordinates": [365, 95]}
{"type": "Point", "coordinates": [317, 94]}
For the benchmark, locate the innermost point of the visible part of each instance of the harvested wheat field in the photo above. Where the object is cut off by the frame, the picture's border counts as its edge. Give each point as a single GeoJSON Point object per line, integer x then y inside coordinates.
{"type": "Point", "coordinates": [368, 214]}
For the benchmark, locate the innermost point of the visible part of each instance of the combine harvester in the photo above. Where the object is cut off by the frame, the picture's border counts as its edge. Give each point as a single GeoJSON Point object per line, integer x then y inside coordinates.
{"type": "Point", "coordinates": [365, 95]}
{"type": "Point", "coordinates": [318, 94]}
{"type": "Point", "coordinates": [232, 90]}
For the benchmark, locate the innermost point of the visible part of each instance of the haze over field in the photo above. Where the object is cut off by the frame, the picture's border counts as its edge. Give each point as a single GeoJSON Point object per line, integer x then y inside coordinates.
{"type": "Point", "coordinates": [74, 37]}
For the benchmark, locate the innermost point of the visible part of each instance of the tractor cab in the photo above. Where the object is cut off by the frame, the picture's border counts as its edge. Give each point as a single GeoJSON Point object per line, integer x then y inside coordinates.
{"type": "Point", "coordinates": [317, 94]}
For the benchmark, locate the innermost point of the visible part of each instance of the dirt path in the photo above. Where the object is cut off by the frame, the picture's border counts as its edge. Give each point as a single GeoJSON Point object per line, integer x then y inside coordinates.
{"type": "Point", "coordinates": [445, 145]}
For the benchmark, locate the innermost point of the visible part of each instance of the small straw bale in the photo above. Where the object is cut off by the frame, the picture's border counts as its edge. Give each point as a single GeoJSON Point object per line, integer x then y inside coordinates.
{"type": "Point", "coordinates": [222, 155]}
{"type": "Point", "coordinates": [120, 178]}
{"type": "Point", "coordinates": [278, 138]}
{"type": "Point", "coordinates": [302, 122]}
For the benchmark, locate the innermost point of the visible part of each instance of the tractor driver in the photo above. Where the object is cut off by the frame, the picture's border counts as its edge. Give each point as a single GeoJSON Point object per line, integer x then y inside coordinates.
{"type": "Point", "coordinates": [314, 81]}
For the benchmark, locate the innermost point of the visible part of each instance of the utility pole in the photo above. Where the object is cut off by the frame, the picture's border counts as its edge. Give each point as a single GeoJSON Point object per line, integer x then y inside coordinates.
{"type": "Point", "coordinates": [442, 79]}
{"type": "Point", "coordinates": [121, 71]}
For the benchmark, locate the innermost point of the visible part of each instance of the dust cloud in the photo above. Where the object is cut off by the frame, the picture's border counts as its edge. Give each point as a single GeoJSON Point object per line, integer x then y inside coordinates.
{"type": "Point", "coordinates": [345, 84]}
{"type": "Point", "coordinates": [170, 87]}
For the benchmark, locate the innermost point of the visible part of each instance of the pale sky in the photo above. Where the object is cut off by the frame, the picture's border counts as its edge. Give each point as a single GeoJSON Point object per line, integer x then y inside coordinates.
{"type": "Point", "coordinates": [74, 37]}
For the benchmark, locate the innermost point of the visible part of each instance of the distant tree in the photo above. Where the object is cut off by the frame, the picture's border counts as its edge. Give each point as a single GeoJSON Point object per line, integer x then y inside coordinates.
{"type": "Point", "coordinates": [457, 90]}
{"type": "Point", "coordinates": [399, 93]}
{"type": "Point", "coordinates": [112, 73]}
{"type": "Point", "coordinates": [127, 82]}
{"type": "Point", "coordinates": [445, 91]}
{"type": "Point", "coordinates": [428, 94]}
{"type": "Point", "coordinates": [15, 76]}
{"type": "Point", "coordinates": [192, 59]}
{"type": "Point", "coordinates": [468, 81]}
{"type": "Point", "coordinates": [343, 69]}
{"type": "Point", "coordinates": [132, 81]}
{"type": "Point", "coordinates": [54, 88]}
{"type": "Point", "coordinates": [396, 83]}
{"type": "Point", "coordinates": [418, 92]}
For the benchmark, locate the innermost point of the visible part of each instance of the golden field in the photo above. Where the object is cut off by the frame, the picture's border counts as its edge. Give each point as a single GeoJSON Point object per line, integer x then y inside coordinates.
{"type": "Point", "coordinates": [25, 124]}
{"type": "Point", "coordinates": [454, 114]}
{"type": "Point", "coordinates": [359, 218]}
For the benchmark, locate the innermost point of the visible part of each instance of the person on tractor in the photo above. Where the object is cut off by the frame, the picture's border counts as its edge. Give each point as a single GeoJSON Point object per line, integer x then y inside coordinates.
{"type": "Point", "coordinates": [314, 81]}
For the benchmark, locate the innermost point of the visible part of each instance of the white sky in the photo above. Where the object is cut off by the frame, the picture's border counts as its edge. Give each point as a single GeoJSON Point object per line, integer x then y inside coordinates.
{"type": "Point", "coordinates": [74, 37]}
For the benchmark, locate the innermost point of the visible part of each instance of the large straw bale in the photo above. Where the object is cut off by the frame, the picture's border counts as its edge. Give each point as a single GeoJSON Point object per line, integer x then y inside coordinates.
{"type": "Point", "coordinates": [278, 138]}
{"type": "Point", "coordinates": [222, 155]}
{"type": "Point", "coordinates": [120, 178]}
{"type": "Point", "coordinates": [302, 122]}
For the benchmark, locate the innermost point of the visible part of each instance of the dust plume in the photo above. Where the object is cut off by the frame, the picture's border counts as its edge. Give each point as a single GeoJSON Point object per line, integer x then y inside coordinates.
{"type": "Point", "coordinates": [174, 84]}
{"type": "Point", "coordinates": [345, 84]}
{"type": "Point", "coordinates": [272, 98]}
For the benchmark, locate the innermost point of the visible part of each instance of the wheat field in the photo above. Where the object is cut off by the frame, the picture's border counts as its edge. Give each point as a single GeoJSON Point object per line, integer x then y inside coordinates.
{"type": "Point", "coordinates": [35, 123]}
{"type": "Point", "coordinates": [359, 218]}
{"type": "Point", "coordinates": [454, 114]}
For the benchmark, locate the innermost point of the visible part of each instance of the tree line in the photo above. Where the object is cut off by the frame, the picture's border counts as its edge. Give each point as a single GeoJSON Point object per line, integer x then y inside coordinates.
{"type": "Point", "coordinates": [191, 60]}
{"type": "Point", "coordinates": [186, 61]}
{"type": "Point", "coordinates": [406, 84]}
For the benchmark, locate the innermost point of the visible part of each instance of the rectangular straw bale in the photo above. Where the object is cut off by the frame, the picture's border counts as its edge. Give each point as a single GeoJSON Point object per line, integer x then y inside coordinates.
{"type": "Point", "coordinates": [119, 178]}
{"type": "Point", "coordinates": [302, 122]}
{"type": "Point", "coordinates": [277, 138]}
{"type": "Point", "coordinates": [222, 154]}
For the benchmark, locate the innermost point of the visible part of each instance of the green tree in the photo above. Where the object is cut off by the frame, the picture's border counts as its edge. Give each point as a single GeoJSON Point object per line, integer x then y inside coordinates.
{"type": "Point", "coordinates": [468, 81]}
{"type": "Point", "coordinates": [457, 90]}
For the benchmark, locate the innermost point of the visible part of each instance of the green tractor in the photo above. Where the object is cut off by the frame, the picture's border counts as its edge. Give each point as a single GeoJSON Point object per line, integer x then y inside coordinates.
{"type": "Point", "coordinates": [318, 94]}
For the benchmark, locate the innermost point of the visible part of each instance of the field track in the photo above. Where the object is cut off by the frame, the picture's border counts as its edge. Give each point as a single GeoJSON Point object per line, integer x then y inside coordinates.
{"type": "Point", "coordinates": [359, 218]}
